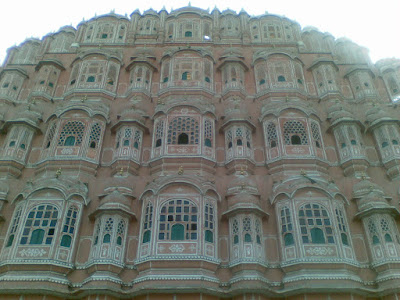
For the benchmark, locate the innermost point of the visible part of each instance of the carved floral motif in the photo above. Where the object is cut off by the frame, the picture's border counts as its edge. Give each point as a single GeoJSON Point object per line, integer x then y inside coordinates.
{"type": "Point", "coordinates": [32, 252]}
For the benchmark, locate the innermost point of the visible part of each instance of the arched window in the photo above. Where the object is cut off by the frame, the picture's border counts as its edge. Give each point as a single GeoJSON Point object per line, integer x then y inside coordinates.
{"type": "Point", "coordinates": [315, 225]}
{"type": "Point", "coordinates": [14, 227]}
{"type": "Point", "coordinates": [316, 135]}
{"type": "Point", "coordinates": [272, 137]}
{"type": "Point", "coordinates": [295, 140]}
{"type": "Point", "coordinates": [342, 227]}
{"type": "Point", "coordinates": [183, 139]}
{"type": "Point", "coordinates": [95, 134]}
{"type": "Point", "coordinates": [147, 223]}
{"type": "Point", "coordinates": [177, 232]}
{"type": "Point", "coordinates": [373, 232]}
{"type": "Point", "coordinates": [187, 126]}
{"type": "Point", "coordinates": [297, 130]}
{"type": "Point", "coordinates": [281, 78]}
{"type": "Point", "coordinates": [69, 226]}
{"type": "Point", "coordinates": [208, 133]}
{"type": "Point", "coordinates": [159, 132]}
{"type": "Point", "coordinates": [69, 141]}
{"type": "Point", "coordinates": [108, 229]}
{"type": "Point", "coordinates": [235, 231]}
{"type": "Point", "coordinates": [287, 227]}
{"type": "Point", "coordinates": [209, 223]}
{"type": "Point", "coordinates": [73, 132]}
{"type": "Point", "coordinates": [120, 232]}
{"type": "Point", "coordinates": [247, 230]}
{"type": "Point", "coordinates": [40, 225]}
{"type": "Point", "coordinates": [188, 34]}
{"type": "Point", "coordinates": [178, 221]}
{"type": "Point", "coordinates": [386, 230]}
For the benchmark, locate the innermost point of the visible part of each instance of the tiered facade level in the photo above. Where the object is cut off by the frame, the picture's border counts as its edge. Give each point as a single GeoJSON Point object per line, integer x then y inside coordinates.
{"type": "Point", "coordinates": [198, 155]}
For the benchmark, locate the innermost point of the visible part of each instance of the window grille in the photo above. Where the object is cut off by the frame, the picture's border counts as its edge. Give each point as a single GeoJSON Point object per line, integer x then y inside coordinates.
{"type": "Point", "coordinates": [315, 225]}
{"type": "Point", "coordinates": [272, 136]}
{"type": "Point", "coordinates": [235, 231]}
{"type": "Point", "coordinates": [148, 223]}
{"type": "Point", "coordinates": [108, 230]}
{"type": "Point", "coordinates": [14, 226]}
{"type": "Point", "coordinates": [75, 129]}
{"type": "Point", "coordinates": [373, 232]}
{"type": "Point", "coordinates": [120, 232]}
{"type": "Point", "coordinates": [209, 223]}
{"type": "Point", "coordinates": [342, 226]}
{"type": "Point", "coordinates": [316, 135]}
{"type": "Point", "coordinates": [208, 133]}
{"type": "Point", "coordinates": [40, 225]}
{"type": "Point", "coordinates": [229, 139]}
{"type": "Point", "coordinates": [186, 125]}
{"type": "Point", "coordinates": [69, 226]}
{"type": "Point", "coordinates": [386, 230]}
{"type": "Point", "coordinates": [178, 221]}
{"type": "Point", "coordinates": [257, 226]}
{"type": "Point", "coordinates": [287, 226]}
{"type": "Point", "coordinates": [294, 128]}
{"type": "Point", "coordinates": [247, 230]}
{"type": "Point", "coordinates": [159, 133]}
{"type": "Point", "coordinates": [94, 137]}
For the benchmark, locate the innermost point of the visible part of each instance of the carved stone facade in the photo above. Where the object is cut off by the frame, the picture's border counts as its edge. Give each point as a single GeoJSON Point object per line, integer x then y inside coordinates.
{"type": "Point", "coordinates": [198, 155]}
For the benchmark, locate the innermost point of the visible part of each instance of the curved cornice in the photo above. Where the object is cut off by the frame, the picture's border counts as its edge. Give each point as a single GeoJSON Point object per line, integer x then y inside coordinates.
{"type": "Point", "coordinates": [67, 186]}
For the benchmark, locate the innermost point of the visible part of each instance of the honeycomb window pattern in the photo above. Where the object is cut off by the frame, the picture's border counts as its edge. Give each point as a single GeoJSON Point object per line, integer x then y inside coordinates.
{"type": "Point", "coordinates": [208, 133]}
{"type": "Point", "coordinates": [315, 134]}
{"type": "Point", "coordinates": [294, 128]}
{"type": "Point", "coordinates": [94, 137]}
{"type": "Point", "coordinates": [272, 136]}
{"type": "Point", "coordinates": [120, 232]}
{"type": "Point", "coordinates": [75, 129]}
{"type": "Point", "coordinates": [186, 125]}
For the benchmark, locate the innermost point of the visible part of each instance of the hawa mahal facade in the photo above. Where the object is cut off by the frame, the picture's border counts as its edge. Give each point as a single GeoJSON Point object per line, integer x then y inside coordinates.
{"type": "Point", "coordinates": [198, 155]}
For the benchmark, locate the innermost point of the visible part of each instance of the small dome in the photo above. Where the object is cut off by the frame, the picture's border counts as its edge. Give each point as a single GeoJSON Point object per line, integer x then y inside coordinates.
{"type": "Point", "coordinates": [372, 201]}
{"type": "Point", "coordinates": [133, 114]}
{"type": "Point", "coordinates": [236, 113]}
{"type": "Point", "coordinates": [376, 113]}
{"type": "Point", "coordinates": [366, 187]}
{"type": "Point", "coordinates": [337, 112]}
{"type": "Point", "coordinates": [242, 184]}
{"type": "Point", "coordinates": [114, 199]}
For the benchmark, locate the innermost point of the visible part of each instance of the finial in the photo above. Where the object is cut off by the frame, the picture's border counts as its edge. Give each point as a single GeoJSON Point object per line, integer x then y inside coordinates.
{"type": "Point", "coordinates": [121, 171]}
{"type": "Point", "coordinates": [302, 172]}
{"type": "Point", "coordinates": [58, 172]}
{"type": "Point", "coordinates": [180, 170]}
{"type": "Point", "coordinates": [84, 98]}
{"type": "Point", "coordinates": [363, 177]}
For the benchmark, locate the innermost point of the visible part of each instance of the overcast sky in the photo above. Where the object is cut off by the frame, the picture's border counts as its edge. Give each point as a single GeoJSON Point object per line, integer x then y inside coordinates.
{"type": "Point", "coordinates": [373, 24]}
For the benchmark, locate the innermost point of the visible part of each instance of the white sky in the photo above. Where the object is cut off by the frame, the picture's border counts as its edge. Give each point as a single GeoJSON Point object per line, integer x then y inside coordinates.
{"type": "Point", "coordinates": [375, 26]}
